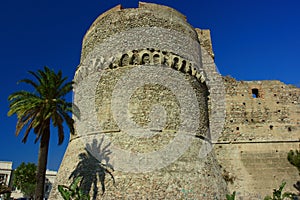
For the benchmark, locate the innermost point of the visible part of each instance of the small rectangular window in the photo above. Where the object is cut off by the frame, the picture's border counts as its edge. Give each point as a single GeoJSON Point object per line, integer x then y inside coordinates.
{"type": "Point", "coordinates": [255, 93]}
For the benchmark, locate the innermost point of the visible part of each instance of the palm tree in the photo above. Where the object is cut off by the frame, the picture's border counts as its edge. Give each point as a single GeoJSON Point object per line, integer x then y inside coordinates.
{"type": "Point", "coordinates": [37, 110]}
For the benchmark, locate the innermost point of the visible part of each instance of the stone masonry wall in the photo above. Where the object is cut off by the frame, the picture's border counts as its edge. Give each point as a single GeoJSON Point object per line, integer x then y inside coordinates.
{"type": "Point", "coordinates": [262, 126]}
{"type": "Point", "coordinates": [119, 20]}
{"type": "Point", "coordinates": [153, 56]}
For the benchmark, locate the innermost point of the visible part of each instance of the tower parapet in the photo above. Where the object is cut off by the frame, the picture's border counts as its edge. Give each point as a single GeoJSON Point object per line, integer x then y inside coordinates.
{"type": "Point", "coordinates": [147, 15]}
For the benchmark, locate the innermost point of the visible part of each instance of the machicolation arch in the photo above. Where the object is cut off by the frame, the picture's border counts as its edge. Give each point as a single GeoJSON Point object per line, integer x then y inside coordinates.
{"type": "Point", "coordinates": [147, 56]}
{"type": "Point", "coordinates": [155, 57]}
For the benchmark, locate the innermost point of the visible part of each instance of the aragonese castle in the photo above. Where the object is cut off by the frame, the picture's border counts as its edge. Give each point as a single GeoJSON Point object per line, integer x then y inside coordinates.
{"type": "Point", "coordinates": [158, 121]}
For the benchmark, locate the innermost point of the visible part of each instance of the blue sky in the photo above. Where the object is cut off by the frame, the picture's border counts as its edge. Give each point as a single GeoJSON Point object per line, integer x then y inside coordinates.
{"type": "Point", "coordinates": [252, 40]}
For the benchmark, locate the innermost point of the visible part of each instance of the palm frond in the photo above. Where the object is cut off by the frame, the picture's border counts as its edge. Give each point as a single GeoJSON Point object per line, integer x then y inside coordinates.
{"type": "Point", "coordinates": [26, 133]}
{"type": "Point", "coordinates": [24, 121]}
{"type": "Point", "coordinates": [69, 121]}
{"type": "Point", "coordinates": [36, 109]}
{"type": "Point", "coordinates": [30, 82]}
{"type": "Point", "coordinates": [61, 135]}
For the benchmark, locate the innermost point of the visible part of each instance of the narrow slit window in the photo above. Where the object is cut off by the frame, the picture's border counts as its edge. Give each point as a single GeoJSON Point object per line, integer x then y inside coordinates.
{"type": "Point", "coordinates": [255, 93]}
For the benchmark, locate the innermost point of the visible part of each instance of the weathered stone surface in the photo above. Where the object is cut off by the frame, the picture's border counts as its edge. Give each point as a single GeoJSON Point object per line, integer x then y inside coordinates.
{"type": "Point", "coordinates": [151, 57]}
{"type": "Point", "coordinates": [119, 20]}
{"type": "Point", "coordinates": [205, 40]}
{"type": "Point", "coordinates": [262, 126]}
{"type": "Point", "coordinates": [143, 68]}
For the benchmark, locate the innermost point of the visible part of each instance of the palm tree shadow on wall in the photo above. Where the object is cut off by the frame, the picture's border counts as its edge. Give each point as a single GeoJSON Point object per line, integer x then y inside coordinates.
{"type": "Point", "coordinates": [93, 167]}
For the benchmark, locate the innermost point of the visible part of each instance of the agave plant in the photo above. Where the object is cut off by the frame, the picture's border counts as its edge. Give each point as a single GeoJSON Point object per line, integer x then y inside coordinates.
{"type": "Point", "coordinates": [279, 195]}
{"type": "Point", "coordinates": [230, 196]}
{"type": "Point", "coordinates": [73, 192]}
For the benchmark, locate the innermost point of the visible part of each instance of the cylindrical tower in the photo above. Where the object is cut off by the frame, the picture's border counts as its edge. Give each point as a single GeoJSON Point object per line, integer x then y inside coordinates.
{"type": "Point", "coordinates": [142, 130]}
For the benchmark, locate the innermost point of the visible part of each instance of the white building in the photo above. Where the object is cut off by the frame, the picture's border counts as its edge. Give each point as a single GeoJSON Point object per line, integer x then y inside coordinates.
{"type": "Point", "coordinates": [6, 174]}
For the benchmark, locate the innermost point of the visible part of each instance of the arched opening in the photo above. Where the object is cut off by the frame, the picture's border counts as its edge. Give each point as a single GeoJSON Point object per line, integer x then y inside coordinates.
{"type": "Point", "coordinates": [125, 60]}
{"type": "Point", "coordinates": [175, 63]}
{"type": "Point", "coordinates": [145, 59]}
{"type": "Point", "coordinates": [183, 66]}
{"type": "Point", "coordinates": [134, 59]}
{"type": "Point", "coordinates": [156, 59]}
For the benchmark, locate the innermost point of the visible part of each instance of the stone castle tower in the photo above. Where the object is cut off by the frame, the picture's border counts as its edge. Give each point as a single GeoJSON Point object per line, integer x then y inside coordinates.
{"type": "Point", "coordinates": [142, 130]}
{"type": "Point", "coordinates": [157, 121]}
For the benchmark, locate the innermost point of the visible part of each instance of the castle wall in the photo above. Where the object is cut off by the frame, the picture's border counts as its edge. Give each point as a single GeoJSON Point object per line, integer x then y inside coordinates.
{"type": "Point", "coordinates": [262, 126]}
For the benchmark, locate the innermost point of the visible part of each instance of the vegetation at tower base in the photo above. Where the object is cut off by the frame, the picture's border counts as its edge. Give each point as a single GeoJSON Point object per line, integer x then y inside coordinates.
{"type": "Point", "coordinates": [231, 196]}
{"type": "Point", "coordinates": [36, 110]}
{"type": "Point", "coordinates": [73, 192]}
{"type": "Point", "coordinates": [24, 178]}
{"type": "Point", "coordinates": [297, 186]}
{"type": "Point", "coordinates": [294, 158]}
{"type": "Point", "coordinates": [278, 194]}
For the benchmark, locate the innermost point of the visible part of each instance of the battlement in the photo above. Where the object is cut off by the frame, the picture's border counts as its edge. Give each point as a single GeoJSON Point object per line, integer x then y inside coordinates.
{"type": "Point", "coordinates": [117, 20]}
{"type": "Point", "coordinates": [205, 40]}
{"type": "Point", "coordinates": [261, 111]}
{"type": "Point", "coordinates": [262, 125]}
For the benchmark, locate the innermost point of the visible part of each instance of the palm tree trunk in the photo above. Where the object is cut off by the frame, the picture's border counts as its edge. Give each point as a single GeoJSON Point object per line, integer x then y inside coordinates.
{"type": "Point", "coordinates": [42, 165]}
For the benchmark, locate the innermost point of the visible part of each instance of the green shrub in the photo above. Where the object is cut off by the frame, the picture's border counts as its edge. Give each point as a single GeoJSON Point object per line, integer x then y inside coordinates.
{"type": "Point", "coordinates": [278, 195]}
{"type": "Point", "coordinates": [294, 158]}
{"type": "Point", "coordinates": [73, 192]}
{"type": "Point", "coordinates": [230, 196]}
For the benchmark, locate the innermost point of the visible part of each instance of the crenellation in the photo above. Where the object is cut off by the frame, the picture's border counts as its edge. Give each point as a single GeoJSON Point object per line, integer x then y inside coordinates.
{"type": "Point", "coordinates": [118, 20]}
{"type": "Point", "coordinates": [205, 40]}
{"type": "Point", "coordinates": [253, 105]}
